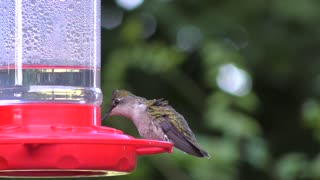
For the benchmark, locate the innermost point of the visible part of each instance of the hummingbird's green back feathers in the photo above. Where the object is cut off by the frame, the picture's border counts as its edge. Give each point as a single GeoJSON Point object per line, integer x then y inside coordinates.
{"type": "Point", "coordinates": [175, 127]}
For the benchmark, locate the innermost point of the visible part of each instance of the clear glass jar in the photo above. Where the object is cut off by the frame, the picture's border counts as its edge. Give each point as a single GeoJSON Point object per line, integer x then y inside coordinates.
{"type": "Point", "coordinates": [50, 51]}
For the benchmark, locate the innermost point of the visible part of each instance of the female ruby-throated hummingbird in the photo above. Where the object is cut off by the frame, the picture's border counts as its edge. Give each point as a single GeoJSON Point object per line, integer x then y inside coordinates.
{"type": "Point", "coordinates": [156, 119]}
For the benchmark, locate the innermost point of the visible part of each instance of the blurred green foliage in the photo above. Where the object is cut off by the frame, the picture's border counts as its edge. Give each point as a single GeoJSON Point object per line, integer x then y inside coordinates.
{"type": "Point", "coordinates": [175, 50]}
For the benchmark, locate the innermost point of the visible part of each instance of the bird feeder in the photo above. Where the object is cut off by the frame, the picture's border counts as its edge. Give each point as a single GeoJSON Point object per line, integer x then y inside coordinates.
{"type": "Point", "coordinates": [50, 95]}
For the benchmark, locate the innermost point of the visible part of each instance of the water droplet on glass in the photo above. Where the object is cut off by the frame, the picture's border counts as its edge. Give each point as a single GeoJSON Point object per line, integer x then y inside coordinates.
{"type": "Point", "coordinates": [33, 2]}
{"type": "Point", "coordinates": [70, 8]}
{"type": "Point", "coordinates": [40, 7]}
{"type": "Point", "coordinates": [49, 23]}
{"type": "Point", "coordinates": [77, 41]}
{"type": "Point", "coordinates": [49, 30]}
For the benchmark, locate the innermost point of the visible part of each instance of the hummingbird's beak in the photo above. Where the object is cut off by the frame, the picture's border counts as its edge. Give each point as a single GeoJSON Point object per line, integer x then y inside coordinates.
{"type": "Point", "coordinates": [108, 113]}
{"type": "Point", "coordinates": [105, 116]}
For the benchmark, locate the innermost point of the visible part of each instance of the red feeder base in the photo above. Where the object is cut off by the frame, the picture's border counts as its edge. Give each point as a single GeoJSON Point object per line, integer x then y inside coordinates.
{"type": "Point", "coordinates": [61, 140]}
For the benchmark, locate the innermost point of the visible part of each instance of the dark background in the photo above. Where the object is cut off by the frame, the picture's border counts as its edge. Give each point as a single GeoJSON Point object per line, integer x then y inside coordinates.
{"type": "Point", "coordinates": [245, 74]}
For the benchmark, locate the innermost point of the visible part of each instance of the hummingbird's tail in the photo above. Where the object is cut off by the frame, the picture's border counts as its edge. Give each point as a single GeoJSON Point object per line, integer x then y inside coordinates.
{"type": "Point", "coordinates": [191, 148]}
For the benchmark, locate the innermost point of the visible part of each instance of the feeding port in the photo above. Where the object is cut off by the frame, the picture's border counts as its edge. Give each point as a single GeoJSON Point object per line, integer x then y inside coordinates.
{"type": "Point", "coordinates": [50, 95]}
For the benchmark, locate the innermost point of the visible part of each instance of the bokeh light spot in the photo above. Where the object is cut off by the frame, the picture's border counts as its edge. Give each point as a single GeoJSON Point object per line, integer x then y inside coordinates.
{"type": "Point", "coordinates": [111, 18]}
{"type": "Point", "coordinates": [129, 4]}
{"type": "Point", "coordinates": [189, 38]}
{"type": "Point", "coordinates": [150, 25]}
{"type": "Point", "coordinates": [233, 80]}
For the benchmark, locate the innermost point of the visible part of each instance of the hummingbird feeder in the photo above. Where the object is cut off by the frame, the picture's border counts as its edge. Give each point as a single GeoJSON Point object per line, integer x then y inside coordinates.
{"type": "Point", "coordinates": [50, 95]}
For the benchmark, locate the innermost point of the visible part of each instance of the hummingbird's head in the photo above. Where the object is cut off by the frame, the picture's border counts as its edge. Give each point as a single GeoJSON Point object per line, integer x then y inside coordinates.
{"type": "Point", "coordinates": [122, 104]}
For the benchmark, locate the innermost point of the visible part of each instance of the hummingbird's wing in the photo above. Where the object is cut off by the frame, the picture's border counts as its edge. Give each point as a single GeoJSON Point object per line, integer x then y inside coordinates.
{"type": "Point", "coordinates": [182, 142]}
{"type": "Point", "coordinates": [176, 128]}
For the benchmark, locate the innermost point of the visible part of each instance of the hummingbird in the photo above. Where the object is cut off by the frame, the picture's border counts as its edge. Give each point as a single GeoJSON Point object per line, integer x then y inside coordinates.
{"type": "Point", "coordinates": [157, 120]}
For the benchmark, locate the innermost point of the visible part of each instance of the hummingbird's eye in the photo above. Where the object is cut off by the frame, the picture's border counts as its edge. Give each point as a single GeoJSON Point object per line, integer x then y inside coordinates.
{"type": "Point", "coordinates": [116, 102]}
